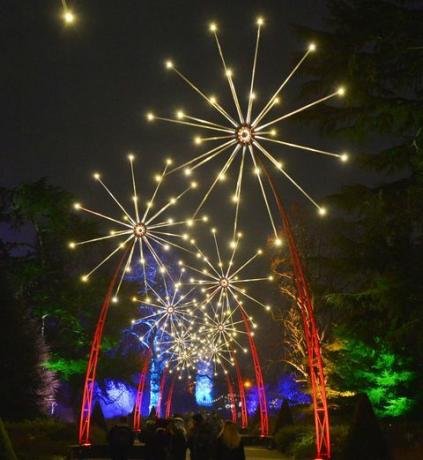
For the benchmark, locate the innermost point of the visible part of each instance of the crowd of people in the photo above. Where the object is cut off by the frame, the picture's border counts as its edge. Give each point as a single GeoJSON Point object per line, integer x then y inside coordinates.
{"type": "Point", "coordinates": [206, 438]}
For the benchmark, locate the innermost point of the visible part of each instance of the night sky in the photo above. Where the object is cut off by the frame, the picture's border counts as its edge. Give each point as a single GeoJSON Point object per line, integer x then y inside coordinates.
{"type": "Point", "coordinates": [74, 100]}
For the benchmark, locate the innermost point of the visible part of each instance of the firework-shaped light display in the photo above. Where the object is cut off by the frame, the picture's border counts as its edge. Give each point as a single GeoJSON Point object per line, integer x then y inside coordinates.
{"type": "Point", "coordinates": [245, 135]}
{"type": "Point", "coordinates": [141, 231]}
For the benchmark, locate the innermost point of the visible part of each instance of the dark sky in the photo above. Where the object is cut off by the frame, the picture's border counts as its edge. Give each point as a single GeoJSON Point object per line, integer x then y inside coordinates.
{"type": "Point", "coordinates": [74, 99]}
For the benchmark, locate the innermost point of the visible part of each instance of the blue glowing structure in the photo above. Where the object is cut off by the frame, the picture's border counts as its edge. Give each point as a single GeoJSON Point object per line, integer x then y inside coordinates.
{"type": "Point", "coordinates": [290, 389]}
{"type": "Point", "coordinates": [204, 386]}
{"type": "Point", "coordinates": [116, 398]}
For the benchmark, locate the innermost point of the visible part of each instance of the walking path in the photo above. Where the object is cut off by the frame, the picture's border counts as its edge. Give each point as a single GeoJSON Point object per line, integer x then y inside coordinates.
{"type": "Point", "coordinates": [260, 453]}
{"type": "Point", "coordinates": [256, 453]}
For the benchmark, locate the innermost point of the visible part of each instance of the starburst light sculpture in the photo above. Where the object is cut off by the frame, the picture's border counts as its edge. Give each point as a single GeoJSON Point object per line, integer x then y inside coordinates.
{"type": "Point", "coordinates": [140, 232]}
{"type": "Point", "coordinates": [245, 135]}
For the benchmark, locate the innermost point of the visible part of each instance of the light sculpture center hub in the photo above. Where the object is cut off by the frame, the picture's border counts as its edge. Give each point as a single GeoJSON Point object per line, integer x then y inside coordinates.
{"type": "Point", "coordinates": [245, 134]}
{"type": "Point", "coordinates": [170, 310]}
{"type": "Point", "coordinates": [140, 230]}
{"type": "Point", "coordinates": [221, 327]}
{"type": "Point", "coordinates": [224, 283]}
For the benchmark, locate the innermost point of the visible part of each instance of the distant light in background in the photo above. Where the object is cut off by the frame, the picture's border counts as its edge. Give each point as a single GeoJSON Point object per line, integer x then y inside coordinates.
{"type": "Point", "coordinates": [68, 15]}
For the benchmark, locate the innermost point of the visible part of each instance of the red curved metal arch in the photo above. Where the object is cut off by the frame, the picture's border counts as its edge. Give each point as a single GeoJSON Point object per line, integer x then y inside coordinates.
{"type": "Point", "coordinates": [305, 304]}
{"type": "Point", "coordinates": [140, 391]}
{"type": "Point", "coordinates": [87, 397]}
{"type": "Point", "coordinates": [264, 419]}
{"type": "Point", "coordinates": [169, 399]}
{"type": "Point", "coordinates": [241, 390]}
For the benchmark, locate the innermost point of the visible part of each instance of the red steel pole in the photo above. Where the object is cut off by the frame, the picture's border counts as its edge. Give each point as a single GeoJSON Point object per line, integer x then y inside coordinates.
{"type": "Point", "coordinates": [305, 304]}
{"type": "Point", "coordinates": [87, 397]}
{"type": "Point", "coordinates": [241, 390]}
{"type": "Point", "coordinates": [140, 391]}
{"type": "Point", "coordinates": [170, 398]}
{"type": "Point", "coordinates": [264, 419]}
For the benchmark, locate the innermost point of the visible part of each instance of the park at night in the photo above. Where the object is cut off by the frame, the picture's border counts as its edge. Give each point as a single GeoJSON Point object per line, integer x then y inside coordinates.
{"type": "Point", "coordinates": [211, 230]}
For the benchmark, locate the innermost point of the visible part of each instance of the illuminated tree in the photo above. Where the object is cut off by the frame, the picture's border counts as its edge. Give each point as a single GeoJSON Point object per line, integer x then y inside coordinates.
{"type": "Point", "coordinates": [378, 235]}
{"type": "Point", "coordinates": [26, 385]}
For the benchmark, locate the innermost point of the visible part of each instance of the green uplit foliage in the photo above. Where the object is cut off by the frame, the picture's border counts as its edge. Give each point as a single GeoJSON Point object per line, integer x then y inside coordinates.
{"type": "Point", "coordinates": [372, 248]}
{"type": "Point", "coordinates": [383, 375]}
{"type": "Point", "coordinates": [66, 367]}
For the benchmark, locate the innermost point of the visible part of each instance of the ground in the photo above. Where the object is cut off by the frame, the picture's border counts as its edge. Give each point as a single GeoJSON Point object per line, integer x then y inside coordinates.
{"type": "Point", "coordinates": [259, 453]}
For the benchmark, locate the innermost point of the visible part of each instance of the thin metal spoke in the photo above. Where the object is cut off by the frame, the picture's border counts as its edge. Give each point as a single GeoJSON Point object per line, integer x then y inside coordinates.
{"type": "Point", "coordinates": [301, 109]}
{"type": "Point", "coordinates": [280, 168]}
{"type": "Point", "coordinates": [228, 75]}
{"type": "Point", "coordinates": [107, 257]}
{"type": "Point", "coordinates": [219, 176]}
{"type": "Point", "coordinates": [104, 216]}
{"type": "Point", "coordinates": [98, 179]}
{"type": "Point", "coordinates": [253, 73]}
{"type": "Point", "coordinates": [301, 147]}
{"type": "Point", "coordinates": [270, 103]}
{"type": "Point", "coordinates": [263, 191]}
{"type": "Point", "coordinates": [211, 101]}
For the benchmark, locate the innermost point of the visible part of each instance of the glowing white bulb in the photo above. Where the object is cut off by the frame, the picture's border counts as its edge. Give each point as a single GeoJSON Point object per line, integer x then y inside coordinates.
{"type": "Point", "coordinates": [197, 140]}
{"type": "Point", "coordinates": [322, 211]}
{"type": "Point", "coordinates": [312, 47]}
{"type": "Point", "coordinates": [131, 157]}
{"type": "Point", "coordinates": [229, 73]}
{"type": "Point", "coordinates": [84, 278]}
{"type": "Point", "coordinates": [68, 17]}
{"type": "Point", "coordinates": [150, 116]}
{"type": "Point", "coordinates": [213, 27]}
{"type": "Point", "coordinates": [169, 64]}
{"type": "Point", "coordinates": [278, 242]}
{"type": "Point", "coordinates": [169, 161]}
{"type": "Point", "coordinates": [77, 206]}
{"type": "Point", "coordinates": [180, 114]}
{"type": "Point", "coordinates": [344, 157]}
{"type": "Point", "coordinates": [187, 171]}
{"type": "Point", "coordinates": [96, 176]}
{"type": "Point", "coordinates": [194, 184]}
{"type": "Point", "coordinates": [72, 245]}
{"type": "Point", "coordinates": [341, 91]}
{"type": "Point", "coordinates": [260, 21]}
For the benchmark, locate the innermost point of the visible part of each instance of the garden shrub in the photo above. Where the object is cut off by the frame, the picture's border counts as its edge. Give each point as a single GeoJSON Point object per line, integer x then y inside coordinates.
{"type": "Point", "coordinates": [365, 439]}
{"type": "Point", "coordinates": [44, 439]}
{"type": "Point", "coordinates": [299, 441]}
{"type": "Point", "coordinates": [286, 437]}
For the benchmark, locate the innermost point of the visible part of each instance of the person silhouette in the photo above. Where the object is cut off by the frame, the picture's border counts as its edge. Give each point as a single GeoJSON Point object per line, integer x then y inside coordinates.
{"type": "Point", "coordinates": [121, 439]}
